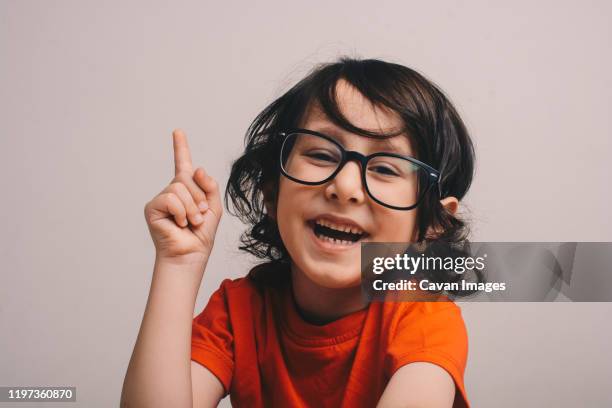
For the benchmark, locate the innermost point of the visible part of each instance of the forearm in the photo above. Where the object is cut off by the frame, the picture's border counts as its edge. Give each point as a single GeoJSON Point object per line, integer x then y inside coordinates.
{"type": "Point", "coordinates": [159, 373]}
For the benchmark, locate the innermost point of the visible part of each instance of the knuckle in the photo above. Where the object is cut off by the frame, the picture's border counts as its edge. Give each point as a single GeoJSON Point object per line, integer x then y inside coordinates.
{"type": "Point", "coordinates": [170, 198]}
{"type": "Point", "coordinates": [182, 176]}
{"type": "Point", "coordinates": [175, 187]}
{"type": "Point", "coordinates": [199, 196]}
{"type": "Point", "coordinates": [194, 191]}
{"type": "Point", "coordinates": [192, 210]}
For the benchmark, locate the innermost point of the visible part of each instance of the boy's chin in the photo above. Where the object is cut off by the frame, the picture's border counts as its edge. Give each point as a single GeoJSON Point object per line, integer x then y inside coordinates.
{"type": "Point", "coordinates": [335, 279]}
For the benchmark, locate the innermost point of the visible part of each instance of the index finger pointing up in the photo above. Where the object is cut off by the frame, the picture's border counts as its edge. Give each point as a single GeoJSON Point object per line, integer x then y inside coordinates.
{"type": "Point", "coordinates": [182, 156]}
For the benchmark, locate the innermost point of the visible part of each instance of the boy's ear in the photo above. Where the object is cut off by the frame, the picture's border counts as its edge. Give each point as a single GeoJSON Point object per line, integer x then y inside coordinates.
{"type": "Point", "coordinates": [269, 193]}
{"type": "Point", "coordinates": [451, 204]}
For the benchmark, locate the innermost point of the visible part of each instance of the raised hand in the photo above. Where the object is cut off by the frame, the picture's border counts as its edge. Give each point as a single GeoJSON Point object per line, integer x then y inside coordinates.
{"type": "Point", "coordinates": [184, 216]}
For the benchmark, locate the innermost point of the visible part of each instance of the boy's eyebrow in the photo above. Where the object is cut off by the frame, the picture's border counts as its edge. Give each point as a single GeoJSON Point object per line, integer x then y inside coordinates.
{"type": "Point", "coordinates": [339, 135]}
{"type": "Point", "coordinates": [328, 130]}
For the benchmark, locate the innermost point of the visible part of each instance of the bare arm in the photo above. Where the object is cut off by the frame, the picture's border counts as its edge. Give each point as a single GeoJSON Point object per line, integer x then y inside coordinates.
{"type": "Point", "coordinates": [419, 385]}
{"type": "Point", "coordinates": [160, 372]}
{"type": "Point", "coordinates": [207, 389]}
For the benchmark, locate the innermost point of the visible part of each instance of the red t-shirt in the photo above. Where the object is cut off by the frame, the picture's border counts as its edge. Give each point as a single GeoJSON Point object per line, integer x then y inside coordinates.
{"type": "Point", "coordinates": [253, 339]}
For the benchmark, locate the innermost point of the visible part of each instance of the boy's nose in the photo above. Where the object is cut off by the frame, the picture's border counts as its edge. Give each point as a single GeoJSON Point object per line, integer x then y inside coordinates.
{"type": "Point", "coordinates": [347, 186]}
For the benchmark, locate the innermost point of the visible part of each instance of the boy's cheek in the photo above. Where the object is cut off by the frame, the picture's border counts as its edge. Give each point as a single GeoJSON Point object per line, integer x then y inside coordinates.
{"type": "Point", "coordinates": [396, 229]}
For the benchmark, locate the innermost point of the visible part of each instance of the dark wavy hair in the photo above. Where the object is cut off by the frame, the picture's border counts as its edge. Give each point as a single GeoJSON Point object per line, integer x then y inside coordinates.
{"type": "Point", "coordinates": [438, 134]}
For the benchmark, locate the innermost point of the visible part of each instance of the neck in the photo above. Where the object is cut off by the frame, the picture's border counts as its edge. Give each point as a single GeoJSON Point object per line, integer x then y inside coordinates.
{"type": "Point", "coordinates": [319, 305]}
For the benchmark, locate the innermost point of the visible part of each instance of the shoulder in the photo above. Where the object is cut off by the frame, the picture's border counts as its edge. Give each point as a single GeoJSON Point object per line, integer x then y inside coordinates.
{"type": "Point", "coordinates": [228, 306]}
{"type": "Point", "coordinates": [421, 316]}
{"type": "Point", "coordinates": [232, 291]}
{"type": "Point", "coordinates": [431, 322]}
{"type": "Point", "coordinates": [432, 332]}
{"type": "Point", "coordinates": [262, 281]}
{"type": "Point", "coordinates": [429, 330]}
{"type": "Point", "coordinates": [425, 313]}
{"type": "Point", "coordinates": [243, 284]}
{"type": "Point", "coordinates": [433, 315]}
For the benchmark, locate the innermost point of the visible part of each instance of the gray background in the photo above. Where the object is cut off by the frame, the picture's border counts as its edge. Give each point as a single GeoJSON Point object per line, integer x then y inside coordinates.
{"type": "Point", "coordinates": [92, 90]}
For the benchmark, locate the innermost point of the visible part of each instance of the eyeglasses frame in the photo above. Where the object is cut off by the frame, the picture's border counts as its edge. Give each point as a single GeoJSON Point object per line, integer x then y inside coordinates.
{"type": "Point", "coordinates": [433, 175]}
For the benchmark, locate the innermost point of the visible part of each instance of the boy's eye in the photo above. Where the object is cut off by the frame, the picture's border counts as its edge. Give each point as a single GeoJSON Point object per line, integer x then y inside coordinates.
{"type": "Point", "coordinates": [322, 156]}
{"type": "Point", "coordinates": [384, 170]}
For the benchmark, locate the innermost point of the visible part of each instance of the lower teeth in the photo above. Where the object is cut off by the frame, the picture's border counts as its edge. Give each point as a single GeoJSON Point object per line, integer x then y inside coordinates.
{"type": "Point", "coordinates": [334, 240]}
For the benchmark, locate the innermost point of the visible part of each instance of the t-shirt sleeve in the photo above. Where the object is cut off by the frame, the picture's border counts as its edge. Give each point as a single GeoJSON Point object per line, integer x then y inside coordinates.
{"type": "Point", "coordinates": [212, 338]}
{"type": "Point", "coordinates": [435, 332]}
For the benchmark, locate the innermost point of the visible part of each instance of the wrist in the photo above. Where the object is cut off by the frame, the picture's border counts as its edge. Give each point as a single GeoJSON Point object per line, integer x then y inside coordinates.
{"type": "Point", "coordinates": [193, 261]}
{"type": "Point", "coordinates": [178, 280]}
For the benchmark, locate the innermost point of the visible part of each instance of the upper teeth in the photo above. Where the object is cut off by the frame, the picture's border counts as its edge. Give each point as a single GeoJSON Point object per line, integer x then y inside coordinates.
{"type": "Point", "coordinates": [340, 227]}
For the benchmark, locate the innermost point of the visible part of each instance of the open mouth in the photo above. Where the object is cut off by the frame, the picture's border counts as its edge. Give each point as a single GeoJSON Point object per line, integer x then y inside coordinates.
{"type": "Point", "coordinates": [336, 234]}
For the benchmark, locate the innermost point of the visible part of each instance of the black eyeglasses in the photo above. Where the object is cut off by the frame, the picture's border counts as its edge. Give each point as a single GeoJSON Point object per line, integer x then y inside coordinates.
{"type": "Point", "coordinates": [392, 180]}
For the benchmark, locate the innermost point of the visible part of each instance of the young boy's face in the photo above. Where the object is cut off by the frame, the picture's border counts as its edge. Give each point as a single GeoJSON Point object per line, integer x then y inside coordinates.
{"type": "Point", "coordinates": [342, 201]}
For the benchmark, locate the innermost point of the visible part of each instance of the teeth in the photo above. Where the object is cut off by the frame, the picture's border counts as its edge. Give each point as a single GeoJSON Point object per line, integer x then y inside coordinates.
{"type": "Point", "coordinates": [339, 227]}
{"type": "Point", "coordinates": [334, 240]}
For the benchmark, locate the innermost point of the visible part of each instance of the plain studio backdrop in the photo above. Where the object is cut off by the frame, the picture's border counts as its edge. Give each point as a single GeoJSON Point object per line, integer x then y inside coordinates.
{"type": "Point", "coordinates": [91, 92]}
